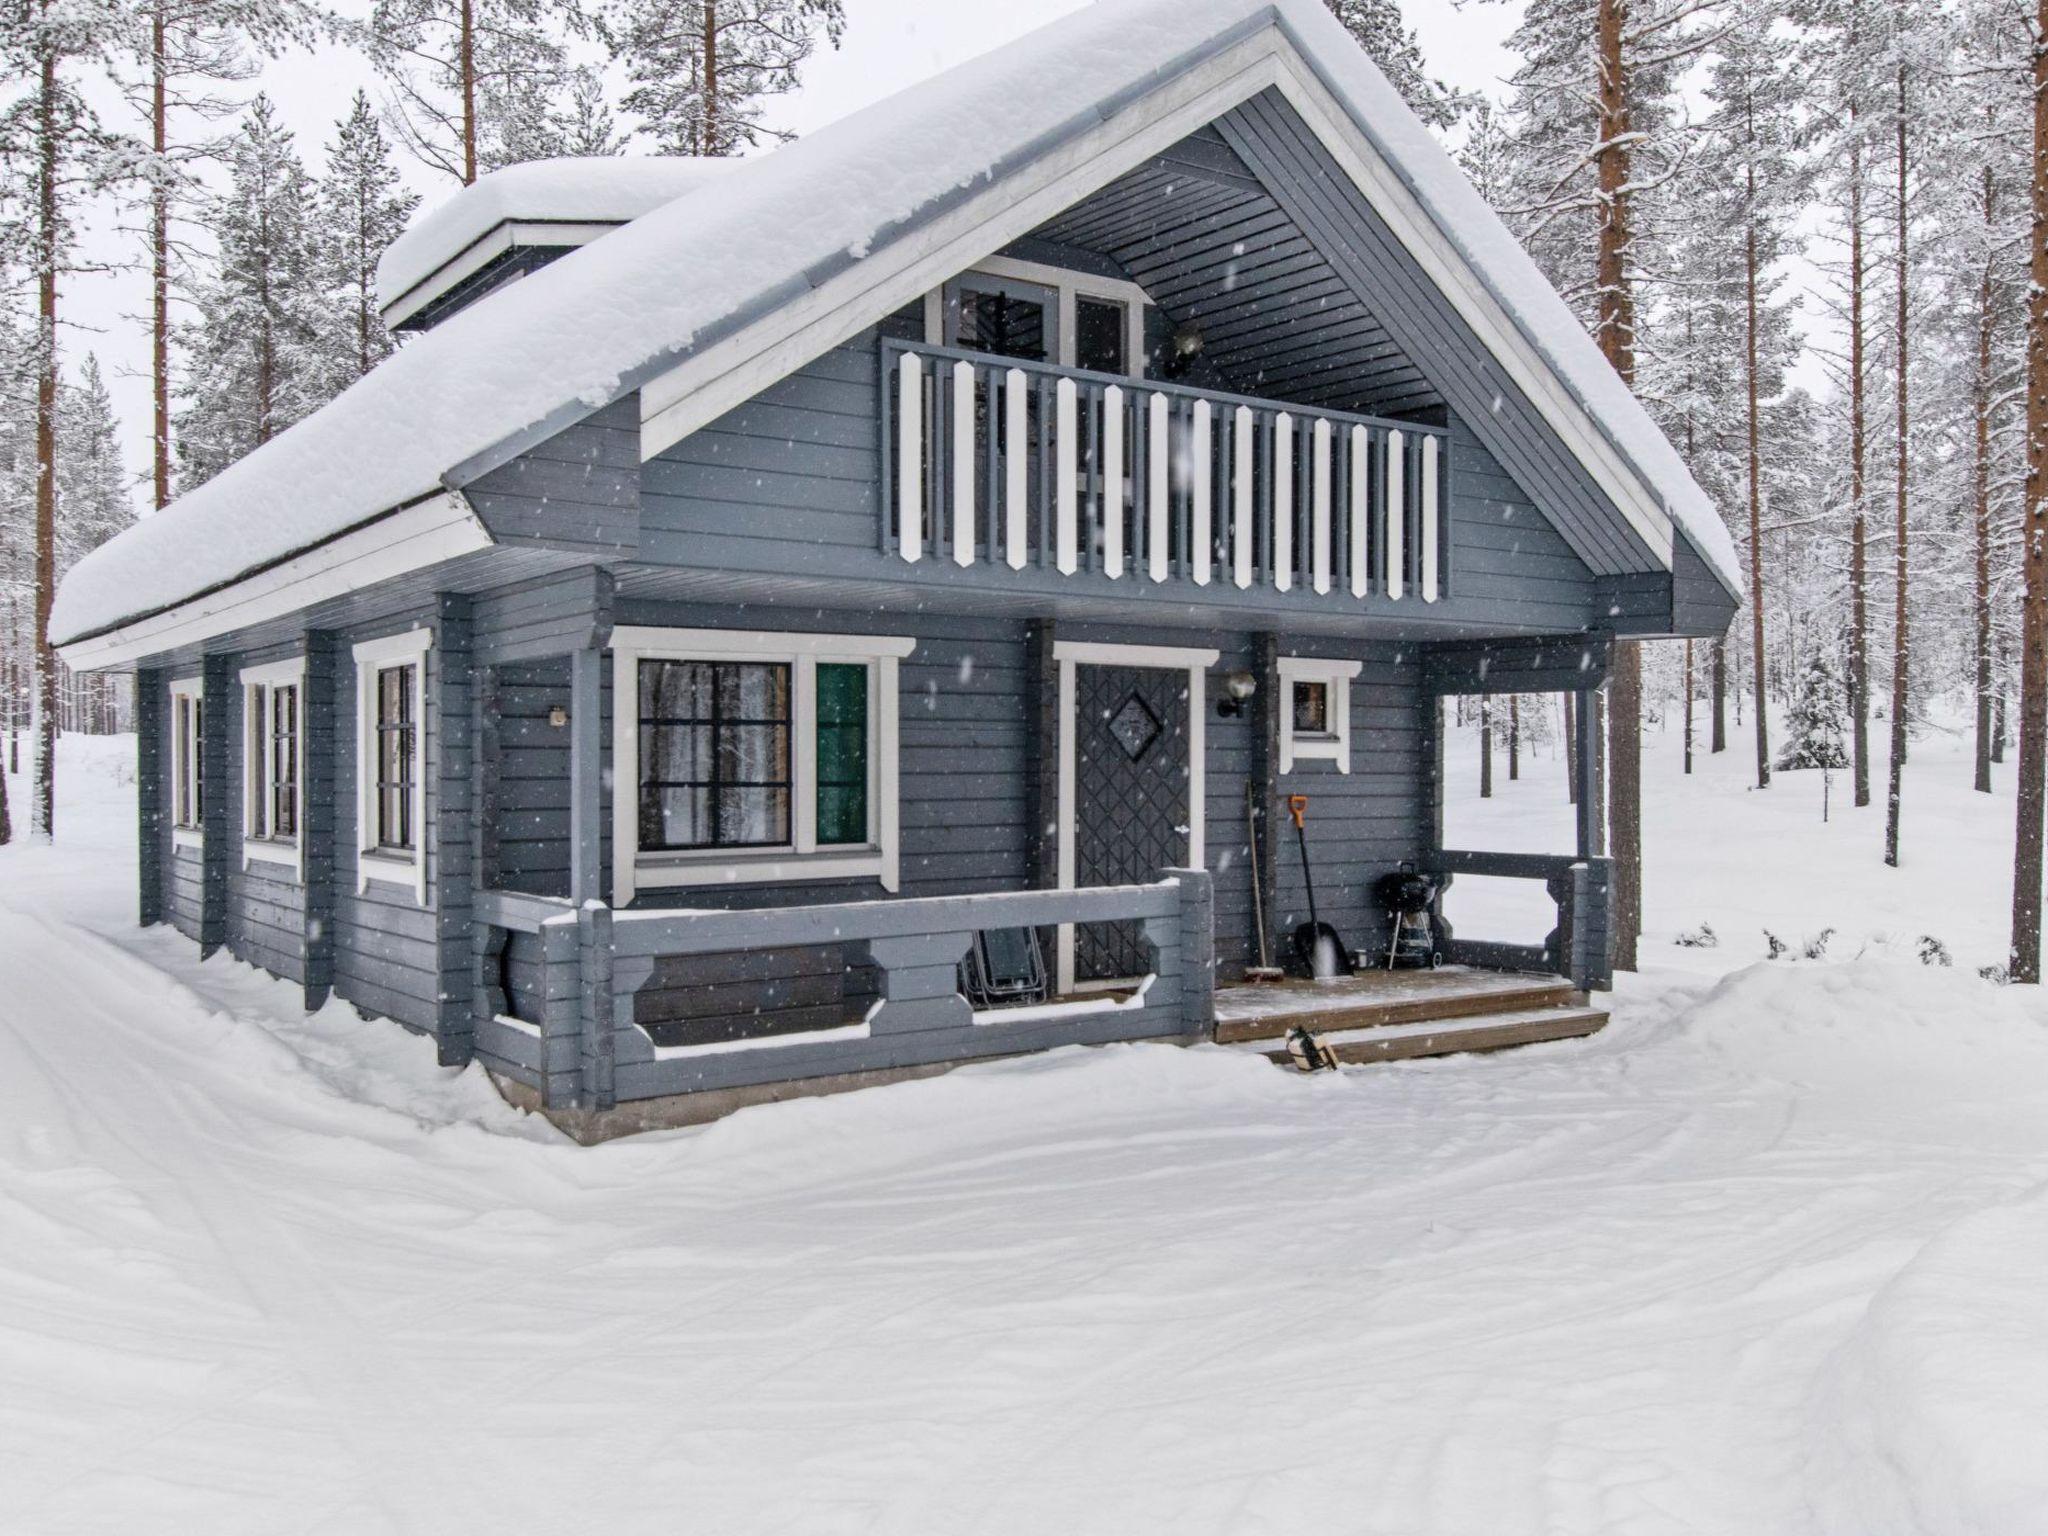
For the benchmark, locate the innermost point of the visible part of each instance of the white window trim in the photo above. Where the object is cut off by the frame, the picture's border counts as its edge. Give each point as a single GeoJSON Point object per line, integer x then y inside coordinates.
{"type": "Point", "coordinates": [372, 863]}
{"type": "Point", "coordinates": [1336, 746]}
{"type": "Point", "coordinates": [1067, 286]}
{"type": "Point", "coordinates": [290, 851]}
{"type": "Point", "coordinates": [635, 870]}
{"type": "Point", "coordinates": [192, 688]}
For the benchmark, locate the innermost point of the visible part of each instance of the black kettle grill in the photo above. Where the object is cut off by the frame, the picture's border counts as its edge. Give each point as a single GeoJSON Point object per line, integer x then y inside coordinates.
{"type": "Point", "coordinates": [1406, 896]}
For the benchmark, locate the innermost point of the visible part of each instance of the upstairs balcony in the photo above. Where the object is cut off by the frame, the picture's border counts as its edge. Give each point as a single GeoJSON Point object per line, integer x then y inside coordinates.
{"type": "Point", "coordinates": [996, 464]}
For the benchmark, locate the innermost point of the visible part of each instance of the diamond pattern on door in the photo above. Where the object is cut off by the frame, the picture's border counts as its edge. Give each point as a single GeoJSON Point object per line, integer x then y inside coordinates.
{"type": "Point", "coordinates": [1131, 783]}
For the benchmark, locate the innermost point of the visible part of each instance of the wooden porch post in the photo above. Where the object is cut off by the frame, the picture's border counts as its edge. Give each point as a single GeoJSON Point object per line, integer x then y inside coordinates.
{"type": "Point", "coordinates": [451, 771]}
{"type": "Point", "coordinates": [586, 774]}
{"type": "Point", "coordinates": [149, 796]}
{"type": "Point", "coordinates": [1266, 707]}
{"type": "Point", "coordinates": [217, 681]}
{"type": "Point", "coordinates": [1587, 768]}
{"type": "Point", "coordinates": [320, 708]}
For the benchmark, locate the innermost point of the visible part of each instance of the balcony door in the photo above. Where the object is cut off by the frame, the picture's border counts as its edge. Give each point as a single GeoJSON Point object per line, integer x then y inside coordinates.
{"type": "Point", "coordinates": [1131, 785]}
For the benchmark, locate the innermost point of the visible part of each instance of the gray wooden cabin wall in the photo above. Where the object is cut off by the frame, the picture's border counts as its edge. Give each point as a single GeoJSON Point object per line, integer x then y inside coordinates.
{"type": "Point", "coordinates": [576, 492]}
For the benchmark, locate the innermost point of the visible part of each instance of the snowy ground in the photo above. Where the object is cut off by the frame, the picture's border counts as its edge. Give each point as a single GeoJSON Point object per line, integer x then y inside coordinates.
{"type": "Point", "coordinates": [1763, 1258]}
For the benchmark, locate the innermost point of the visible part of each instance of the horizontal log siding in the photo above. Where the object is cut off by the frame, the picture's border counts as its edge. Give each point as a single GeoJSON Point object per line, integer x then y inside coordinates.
{"type": "Point", "coordinates": [799, 462]}
{"type": "Point", "coordinates": [577, 491]}
{"type": "Point", "coordinates": [527, 839]}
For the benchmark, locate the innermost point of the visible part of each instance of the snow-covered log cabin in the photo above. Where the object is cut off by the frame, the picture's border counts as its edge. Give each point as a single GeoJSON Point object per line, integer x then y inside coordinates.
{"type": "Point", "coordinates": [752, 582]}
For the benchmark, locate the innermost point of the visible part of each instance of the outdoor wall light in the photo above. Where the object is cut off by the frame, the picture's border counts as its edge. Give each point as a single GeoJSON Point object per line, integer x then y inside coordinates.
{"type": "Point", "coordinates": [558, 717]}
{"type": "Point", "coordinates": [1239, 684]}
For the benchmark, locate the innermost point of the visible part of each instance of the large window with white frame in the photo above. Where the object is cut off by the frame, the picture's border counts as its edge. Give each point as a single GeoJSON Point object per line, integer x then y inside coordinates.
{"type": "Point", "coordinates": [1315, 711]}
{"type": "Point", "coordinates": [753, 757]}
{"type": "Point", "coordinates": [391, 773]}
{"type": "Point", "coordinates": [271, 726]}
{"type": "Point", "coordinates": [188, 763]}
{"type": "Point", "coordinates": [1042, 313]}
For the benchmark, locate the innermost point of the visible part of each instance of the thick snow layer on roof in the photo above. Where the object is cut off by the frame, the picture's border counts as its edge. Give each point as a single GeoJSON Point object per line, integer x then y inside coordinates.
{"type": "Point", "coordinates": [575, 331]}
{"type": "Point", "coordinates": [609, 189]}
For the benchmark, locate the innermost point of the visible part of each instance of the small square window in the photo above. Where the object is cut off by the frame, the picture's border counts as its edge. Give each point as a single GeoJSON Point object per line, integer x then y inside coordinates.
{"type": "Point", "coordinates": [1315, 720]}
{"type": "Point", "coordinates": [1311, 708]}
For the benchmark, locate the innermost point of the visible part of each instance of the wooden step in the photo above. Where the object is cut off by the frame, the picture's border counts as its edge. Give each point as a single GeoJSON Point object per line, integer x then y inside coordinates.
{"type": "Point", "coordinates": [1379, 1001]}
{"type": "Point", "coordinates": [1488, 1032]}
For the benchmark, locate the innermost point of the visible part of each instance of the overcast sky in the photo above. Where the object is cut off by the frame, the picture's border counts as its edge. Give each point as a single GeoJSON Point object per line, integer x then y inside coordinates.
{"type": "Point", "coordinates": [889, 44]}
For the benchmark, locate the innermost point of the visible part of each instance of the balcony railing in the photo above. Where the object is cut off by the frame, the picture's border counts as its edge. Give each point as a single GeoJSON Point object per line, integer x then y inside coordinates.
{"type": "Point", "coordinates": [994, 462]}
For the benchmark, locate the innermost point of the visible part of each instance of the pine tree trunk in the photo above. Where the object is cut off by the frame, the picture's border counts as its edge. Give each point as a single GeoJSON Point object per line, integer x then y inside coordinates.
{"type": "Point", "coordinates": [711, 144]}
{"type": "Point", "coordinates": [1514, 737]}
{"type": "Point", "coordinates": [1485, 747]}
{"type": "Point", "coordinates": [2024, 961]}
{"type": "Point", "coordinates": [467, 64]}
{"type": "Point", "coordinates": [1982, 413]}
{"type": "Point", "coordinates": [1998, 731]}
{"type": "Point", "coordinates": [1616, 335]}
{"type": "Point", "coordinates": [1756, 493]}
{"type": "Point", "coordinates": [159, 263]}
{"type": "Point", "coordinates": [1859, 552]}
{"type": "Point", "coordinates": [1900, 656]}
{"type": "Point", "coordinates": [43, 712]}
{"type": "Point", "coordinates": [1688, 706]}
{"type": "Point", "coordinates": [6, 822]}
{"type": "Point", "coordinates": [1717, 736]}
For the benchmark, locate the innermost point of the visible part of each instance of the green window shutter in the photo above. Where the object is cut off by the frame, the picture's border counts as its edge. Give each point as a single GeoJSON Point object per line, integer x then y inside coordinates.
{"type": "Point", "coordinates": [842, 753]}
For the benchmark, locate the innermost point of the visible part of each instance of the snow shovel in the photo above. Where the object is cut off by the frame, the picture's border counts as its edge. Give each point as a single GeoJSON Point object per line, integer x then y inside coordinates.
{"type": "Point", "coordinates": [1316, 944]}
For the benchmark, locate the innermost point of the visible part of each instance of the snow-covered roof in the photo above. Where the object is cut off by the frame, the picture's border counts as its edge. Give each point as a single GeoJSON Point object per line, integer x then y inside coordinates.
{"type": "Point", "coordinates": [607, 317]}
{"type": "Point", "coordinates": [592, 190]}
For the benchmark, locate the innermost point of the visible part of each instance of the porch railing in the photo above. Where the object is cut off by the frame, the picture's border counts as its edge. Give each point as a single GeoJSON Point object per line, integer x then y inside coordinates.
{"type": "Point", "coordinates": [556, 986]}
{"type": "Point", "coordinates": [1582, 890]}
{"type": "Point", "coordinates": [995, 462]}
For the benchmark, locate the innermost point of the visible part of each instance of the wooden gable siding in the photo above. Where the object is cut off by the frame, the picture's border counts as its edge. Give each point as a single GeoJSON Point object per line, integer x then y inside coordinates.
{"type": "Point", "coordinates": [1210, 246]}
{"type": "Point", "coordinates": [1322, 201]}
{"type": "Point", "coordinates": [578, 491]}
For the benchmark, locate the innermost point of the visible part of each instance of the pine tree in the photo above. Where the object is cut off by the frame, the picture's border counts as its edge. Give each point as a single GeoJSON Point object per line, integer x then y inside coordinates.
{"type": "Point", "coordinates": [54, 155]}
{"type": "Point", "coordinates": [573, 119]}
{"type": "Point", "coordinates": [2024, 962]}
{"type": "Point", "coordinates": [1753, 137]}
{"type": "Point", "coordinates": [187, 47]}
{"type": "Point", "coordinates": [253, 353]}
{"type": "Point", "coordinates": [460, 69]}
{"type": "Point", "coordinates": [1815, 725]}
{"type": "Point", "coordinates": [1381, 32]}
{"type": "Point", "coordinates": [92, 484]}
{"type": "Point", "coordinates": [363, 206]}
{"type": "Point", "coordinates": [702, 71]}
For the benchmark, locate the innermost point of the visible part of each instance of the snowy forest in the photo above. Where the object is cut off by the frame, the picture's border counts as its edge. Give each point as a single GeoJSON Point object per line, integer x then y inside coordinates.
{"type": "Point", "coordinates": [1799, 228]}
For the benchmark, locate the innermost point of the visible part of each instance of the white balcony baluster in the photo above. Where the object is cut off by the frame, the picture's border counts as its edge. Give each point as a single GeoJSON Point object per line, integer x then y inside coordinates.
{"type": "Point", "coordinates": [1319, 506]}
{"type": "Point", "coordinates": [963, 463]}
{"type": "Point", "coordinates": [1283, 501]}
{"type": "Point", "coordinates": [1361, 511]}
{"type": "Point", "coordinates": [1201, 455]}
{"type": "Point", "coordinates": [1113, 481]}
{"type": "Point", "coordinates": [1396, 514]}
{"type": "Point", "coordinates": [1158, 487]}
{"type": "Point", "coordinates": [1243, 473]}
{"type": "Point", "coordinates": [1066, 472]}
{"type": "Point", "coordinates": [1429, 518]}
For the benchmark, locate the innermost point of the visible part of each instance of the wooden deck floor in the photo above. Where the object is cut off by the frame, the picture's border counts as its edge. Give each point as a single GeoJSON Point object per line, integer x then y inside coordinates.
{"type": "Point", "coordinates": [1407, 1002]}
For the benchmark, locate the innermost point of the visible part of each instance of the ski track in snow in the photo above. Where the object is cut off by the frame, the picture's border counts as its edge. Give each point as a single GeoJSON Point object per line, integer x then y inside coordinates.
{"type": "Point", "coordinates": [1762, 1258]}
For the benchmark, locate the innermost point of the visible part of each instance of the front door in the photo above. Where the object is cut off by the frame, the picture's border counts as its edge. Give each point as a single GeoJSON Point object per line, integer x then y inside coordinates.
{"type": "Point", "coordinates": [1133, 815]}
